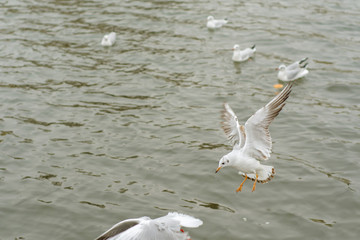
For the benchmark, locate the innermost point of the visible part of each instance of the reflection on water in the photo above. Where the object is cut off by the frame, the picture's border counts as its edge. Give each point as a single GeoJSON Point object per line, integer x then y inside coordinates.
{"type": "Point", "coordinates": [93, 204]}
{"type": "Point", "coordinates": [92, 135]}
{"type": "Point", "coordinates": [322, 222]}
{"type": "Point", "coordinates": [211, 205]}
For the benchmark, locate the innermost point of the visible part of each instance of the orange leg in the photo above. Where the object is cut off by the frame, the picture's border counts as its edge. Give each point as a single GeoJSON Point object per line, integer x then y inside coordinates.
{"type": "Point", "coordinates": [254, 186]}
{"type": "Point", "coordinates": [239, 189]}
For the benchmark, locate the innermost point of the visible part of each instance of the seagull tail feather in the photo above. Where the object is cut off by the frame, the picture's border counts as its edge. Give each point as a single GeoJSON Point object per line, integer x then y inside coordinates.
{"type": "Point", "coordinates": [264, 175]}
{"type": "Point", "coordinates": [304, 66]}
{"type": "Point", "coordinates": [303, 60]}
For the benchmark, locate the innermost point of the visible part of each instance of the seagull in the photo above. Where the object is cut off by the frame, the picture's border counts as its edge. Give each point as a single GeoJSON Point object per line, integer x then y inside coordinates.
{"type": "Point", "coordinates": [109, 39]}
{"type": "Point", "coordinates": [293, 71]}
{"type": "Point", "coordinates": [252, 142]}
{"type": "Point", "coordinates": [145, 228]}
{"type": "Point", "coordinates": [242, 55]}
{"type": "Point", "coordinates": [215, 23]}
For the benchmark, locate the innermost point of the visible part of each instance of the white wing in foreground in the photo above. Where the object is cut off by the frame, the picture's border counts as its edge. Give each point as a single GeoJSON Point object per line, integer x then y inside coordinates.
{"type": "Point", "coordinates": [183, 219]}
{"type": "Point", "coordinates": [163, 228]}
{"type": "Point", "coordinates": [120, 227]}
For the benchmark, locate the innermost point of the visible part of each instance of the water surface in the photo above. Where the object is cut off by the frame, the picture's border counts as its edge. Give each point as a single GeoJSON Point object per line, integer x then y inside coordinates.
{"type": "Point", "coordinates": [90, 135]}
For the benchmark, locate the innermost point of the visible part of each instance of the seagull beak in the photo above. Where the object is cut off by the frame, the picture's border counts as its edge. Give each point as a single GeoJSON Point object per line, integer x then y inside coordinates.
{"type": "Point", "coordinates": [277, 69]}
{"type": "Point", "coordinates": [218, 169]}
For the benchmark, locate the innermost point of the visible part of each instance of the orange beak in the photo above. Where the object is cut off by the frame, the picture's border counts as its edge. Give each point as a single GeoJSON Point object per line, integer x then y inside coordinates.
{"type": "Point", "coordinates": [218, 169]}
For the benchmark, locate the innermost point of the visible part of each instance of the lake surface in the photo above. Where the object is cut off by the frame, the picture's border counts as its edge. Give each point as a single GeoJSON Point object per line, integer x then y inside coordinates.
{"type": "Point", "coordinates": [90, 135]}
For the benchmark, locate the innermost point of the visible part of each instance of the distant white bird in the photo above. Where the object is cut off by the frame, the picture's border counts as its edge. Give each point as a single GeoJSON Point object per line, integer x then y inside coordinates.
{"type": "Point", "coordinates": [108, 39]}
{"type": "Point", "coordinates": [242, 55]}
{"type": "Point", "coordinates": [215, 23]}
{"type": "Point", "coordinates": [252, 142]}
{"type": "Point", "coordinates": [145, 228]}
{"type": "Point", "coordinates": [293, 71]}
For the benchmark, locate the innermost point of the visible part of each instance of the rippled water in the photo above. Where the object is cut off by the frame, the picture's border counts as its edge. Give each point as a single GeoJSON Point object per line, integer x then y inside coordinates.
{"type": "Point", "coordinates": [90, 135]}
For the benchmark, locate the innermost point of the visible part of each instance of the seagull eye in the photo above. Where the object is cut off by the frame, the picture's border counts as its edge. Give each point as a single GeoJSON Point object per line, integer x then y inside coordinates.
{"type": "Point", "coordinates": [223, 163]}
{"type": "Point", "coordinates": [227, 161]}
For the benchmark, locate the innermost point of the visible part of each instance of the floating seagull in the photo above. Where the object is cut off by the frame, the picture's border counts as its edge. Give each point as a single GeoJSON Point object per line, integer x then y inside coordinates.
{"type": "Point", "coordinates": [242, 55]}
{"type": "Point", "coordinates": [108, 39]}
{"type": "Point", "coordinates": [252, 142]}
{"type": "Point", "coordinates": [145, 228]}
{"type": "Point", "coordinates": [293, 71]}
{"type": "Point", "coordinates": [215, 23]}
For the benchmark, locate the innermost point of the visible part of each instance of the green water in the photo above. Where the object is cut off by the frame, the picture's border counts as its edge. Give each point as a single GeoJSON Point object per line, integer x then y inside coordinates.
{"type": "Point", "coordinates": [90, 136]}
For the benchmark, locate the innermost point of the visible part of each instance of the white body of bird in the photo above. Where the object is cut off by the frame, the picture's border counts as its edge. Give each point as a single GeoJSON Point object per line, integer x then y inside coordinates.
{"type": "Point", "coordinates": [164, 228]}
{"type": "Point", "coordinates": [242, 55]}
{"type": "Point", "coordinates": [213, 23]}
{"type": "Point", "coordinates": [294, 71]}
{"type": "Point", "coordinates": [109, 39]}
{"type": "Point", "coordinates": [252, 142]}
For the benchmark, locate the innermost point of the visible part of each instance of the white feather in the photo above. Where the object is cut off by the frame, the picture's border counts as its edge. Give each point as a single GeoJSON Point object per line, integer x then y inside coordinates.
{"type": "Point", "coordinates": [185, 220]}
{"type": "Point", "coordinates": [233, 130]}
{"type": "Point", "coordinates": [145, 228]}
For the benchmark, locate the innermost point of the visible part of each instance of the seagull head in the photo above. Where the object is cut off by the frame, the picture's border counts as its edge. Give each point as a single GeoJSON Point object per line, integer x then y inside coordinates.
{"type": "Point", "coordinates": [210, 18]}
{"type": "Point", "coordinates": [282, 67]}
{"type": "Point", "coordinates": [224, 161]}
{"type": "Point", "coordinates": [236, 47]}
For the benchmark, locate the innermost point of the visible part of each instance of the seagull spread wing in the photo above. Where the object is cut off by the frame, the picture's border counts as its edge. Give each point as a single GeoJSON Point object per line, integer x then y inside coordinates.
{"type": "Point", "coordinates": [258, 140]}
{"type": "Point", "coordinates": [119, 228]}
{"type": "Point", "coordinates": [233, 130]}
{"type": "Point", "coordinates": [182, 219]}
{"type": "Point", "coordinates": [154, 230]}
{"type": "Point", "coordinates": [163, 228]}
{"type": "Point", "coordinates": [147, 229]}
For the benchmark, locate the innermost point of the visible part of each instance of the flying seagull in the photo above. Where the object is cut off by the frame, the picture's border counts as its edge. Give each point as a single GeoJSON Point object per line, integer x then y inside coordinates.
{"type": "Point", "coordinates": [252, 142]}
